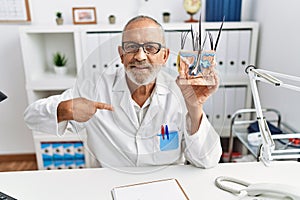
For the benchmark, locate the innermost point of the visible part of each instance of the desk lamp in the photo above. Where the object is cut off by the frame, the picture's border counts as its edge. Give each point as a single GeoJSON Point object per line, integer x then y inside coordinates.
{"type": "Point", "coordinates": [2, 96]}
{"type": "Point", "coordinates": [267, 149]}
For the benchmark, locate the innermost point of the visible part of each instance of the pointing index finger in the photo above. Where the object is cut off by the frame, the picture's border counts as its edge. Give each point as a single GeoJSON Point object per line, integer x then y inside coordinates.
{"type": "Point", "coordinates": [104, 106]}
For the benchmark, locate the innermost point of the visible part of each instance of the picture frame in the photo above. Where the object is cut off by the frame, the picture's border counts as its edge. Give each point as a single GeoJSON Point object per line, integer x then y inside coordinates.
{"type": "Point", "coordinates": [84, 15]}
{"type": "Point", "coordinates": [15, 11]}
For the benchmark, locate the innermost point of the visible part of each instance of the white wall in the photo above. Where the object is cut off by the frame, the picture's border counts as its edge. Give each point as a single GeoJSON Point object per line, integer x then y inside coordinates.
{"type": "Point", "coordinates": [14, 135]}
{"type": "Point", "coordinates": [278, 39]}
{"type": "Point", "coordinates": [279, 51]}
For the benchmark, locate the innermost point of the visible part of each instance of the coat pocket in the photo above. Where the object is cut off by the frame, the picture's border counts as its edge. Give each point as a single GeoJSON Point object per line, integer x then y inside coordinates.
{"type": "Point", "coordinates": [168, 149]}
{"type": "Point", "coordinates": [168, 141]}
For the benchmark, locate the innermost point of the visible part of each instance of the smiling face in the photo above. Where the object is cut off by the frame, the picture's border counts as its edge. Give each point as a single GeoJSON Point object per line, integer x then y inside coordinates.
{"type": "Point", "coordinates": [140, 61]}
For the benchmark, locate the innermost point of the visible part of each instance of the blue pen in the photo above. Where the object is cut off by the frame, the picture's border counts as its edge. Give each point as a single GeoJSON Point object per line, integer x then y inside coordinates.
{"type": "Point", "coordinates": [167, 132]}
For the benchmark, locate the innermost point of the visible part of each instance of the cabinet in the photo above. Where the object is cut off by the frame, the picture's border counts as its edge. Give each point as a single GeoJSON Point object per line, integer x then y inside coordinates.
{"type": "Point", "coordinates": [96, 47]}
{"type": "Point", "coordinates": [38, 45]}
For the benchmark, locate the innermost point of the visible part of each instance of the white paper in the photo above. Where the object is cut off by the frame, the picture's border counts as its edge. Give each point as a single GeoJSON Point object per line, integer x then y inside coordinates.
{"type": "Point", "coordinates": [158, 190]}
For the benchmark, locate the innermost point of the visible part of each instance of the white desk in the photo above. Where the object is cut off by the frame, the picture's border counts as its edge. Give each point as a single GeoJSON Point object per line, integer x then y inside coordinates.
{"type": "Point", "coordinates": [97, 183]}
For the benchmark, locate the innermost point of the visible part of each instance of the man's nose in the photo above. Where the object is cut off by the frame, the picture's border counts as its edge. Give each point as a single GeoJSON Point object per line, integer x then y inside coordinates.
{"type": "Point", "coordinates": [140, 55]}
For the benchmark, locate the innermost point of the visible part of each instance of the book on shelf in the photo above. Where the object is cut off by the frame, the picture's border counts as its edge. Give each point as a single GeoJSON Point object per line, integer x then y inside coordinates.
{"type": "Point", "coordinates": [215, 10]}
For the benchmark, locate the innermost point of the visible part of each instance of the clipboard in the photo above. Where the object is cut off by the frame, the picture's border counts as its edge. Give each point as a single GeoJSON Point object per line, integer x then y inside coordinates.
{"type": "Point", "coordinates": [158, 190]}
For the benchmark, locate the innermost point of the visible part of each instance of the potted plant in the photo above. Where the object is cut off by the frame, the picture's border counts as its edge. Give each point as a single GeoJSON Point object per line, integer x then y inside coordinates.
{"type": "Point", "coordinates": [112, 19]}
{"type": "Point", "coordinates": [59, 19]}
{"type": "Point", "coordinates": [60, 61]}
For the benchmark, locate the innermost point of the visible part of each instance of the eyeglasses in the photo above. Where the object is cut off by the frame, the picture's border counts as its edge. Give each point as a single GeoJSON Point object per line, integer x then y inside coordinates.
{"type": "Point", "coordinates": [148, 47]}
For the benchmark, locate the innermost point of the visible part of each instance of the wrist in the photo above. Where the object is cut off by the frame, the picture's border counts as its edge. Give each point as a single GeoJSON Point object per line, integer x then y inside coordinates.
{"type": "Point", "coordinates": [64, 111]}
{"type": "Point", "coordinates": [195, 113]}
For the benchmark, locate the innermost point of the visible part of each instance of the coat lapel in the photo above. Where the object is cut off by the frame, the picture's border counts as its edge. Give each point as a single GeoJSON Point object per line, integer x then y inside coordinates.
{"type": "Point", "coordinates": [158, 102]}
{"type": "Point", "coordinates": [122, 103]}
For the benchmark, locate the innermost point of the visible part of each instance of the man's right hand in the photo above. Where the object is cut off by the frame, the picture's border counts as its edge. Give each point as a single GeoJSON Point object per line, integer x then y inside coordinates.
{"type": "Point", "coordinates": [79, 109]}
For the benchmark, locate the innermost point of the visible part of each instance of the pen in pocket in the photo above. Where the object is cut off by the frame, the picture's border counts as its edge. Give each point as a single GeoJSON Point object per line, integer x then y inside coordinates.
{"type": "Point", "coordinates": [167, 132]}
{"type": "Point", "coordinates": [162, 132]}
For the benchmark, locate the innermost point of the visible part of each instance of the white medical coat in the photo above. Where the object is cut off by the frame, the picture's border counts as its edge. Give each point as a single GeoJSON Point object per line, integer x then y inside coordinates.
{"type": "Point", "coordinates": [117, 139]}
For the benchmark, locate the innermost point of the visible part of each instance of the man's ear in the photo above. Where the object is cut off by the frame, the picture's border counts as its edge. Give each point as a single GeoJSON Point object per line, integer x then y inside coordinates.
{"type": "Point", "coordinates": [120, 50]}
{"type": "Point", "coordinates": [166, 54]}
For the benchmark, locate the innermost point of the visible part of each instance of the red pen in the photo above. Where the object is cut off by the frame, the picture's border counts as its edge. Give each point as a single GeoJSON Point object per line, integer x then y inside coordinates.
{"type": "Point", "coordinates": [163, 132]}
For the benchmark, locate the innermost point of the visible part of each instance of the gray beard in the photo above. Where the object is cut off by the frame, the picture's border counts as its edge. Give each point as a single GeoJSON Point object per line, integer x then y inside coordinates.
{"type": "Point", "coordinates": [139, 79]}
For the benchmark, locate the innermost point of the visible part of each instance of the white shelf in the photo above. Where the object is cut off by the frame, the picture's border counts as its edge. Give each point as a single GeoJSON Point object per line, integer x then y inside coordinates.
{"type": "Point", "coordinates": [48, 29]}
{"type": "Point", "coordinates": [210, 25]}
{"type": "Point", "coordinates": [53, 137]}
{"type": "Point", "coordinates": [52, 82]}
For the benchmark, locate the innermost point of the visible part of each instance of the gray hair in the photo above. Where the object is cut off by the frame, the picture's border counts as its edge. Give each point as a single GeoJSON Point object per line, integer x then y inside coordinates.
{"type": "Point", "coordinates": [143, 17]}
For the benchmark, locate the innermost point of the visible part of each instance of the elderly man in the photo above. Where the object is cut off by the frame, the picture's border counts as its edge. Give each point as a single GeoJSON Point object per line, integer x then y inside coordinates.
{"type": "Point", "coordinates": [138, 115]}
